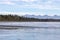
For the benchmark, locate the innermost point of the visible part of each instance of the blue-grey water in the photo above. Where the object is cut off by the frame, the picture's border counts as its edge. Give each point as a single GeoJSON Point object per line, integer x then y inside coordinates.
{"type": "Point", "coordinates": [31, 33]}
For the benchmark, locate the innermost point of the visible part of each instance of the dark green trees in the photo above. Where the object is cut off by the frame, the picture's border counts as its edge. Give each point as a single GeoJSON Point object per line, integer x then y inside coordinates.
{"type": "Point", "coordinates": [21, 18]}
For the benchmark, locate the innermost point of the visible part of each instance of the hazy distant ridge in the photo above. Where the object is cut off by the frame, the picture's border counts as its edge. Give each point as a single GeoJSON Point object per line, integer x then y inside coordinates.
{"type": "Point", "coordinates": [42, 17]}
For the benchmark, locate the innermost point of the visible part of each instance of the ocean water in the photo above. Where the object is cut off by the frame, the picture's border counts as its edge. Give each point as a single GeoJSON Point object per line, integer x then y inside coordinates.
{"type": "Point", "coordinates": [31, 33]}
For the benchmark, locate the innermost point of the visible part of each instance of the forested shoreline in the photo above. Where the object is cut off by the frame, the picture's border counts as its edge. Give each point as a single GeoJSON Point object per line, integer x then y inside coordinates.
{"type": "Point", "coordinates": [21, 18]}
{"type": "Point", "coordinates": [16, 18]}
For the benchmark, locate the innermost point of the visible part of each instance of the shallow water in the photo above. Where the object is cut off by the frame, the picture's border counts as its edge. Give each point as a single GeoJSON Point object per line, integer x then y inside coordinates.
{"type": "Point", "coordinates": [31, 33]}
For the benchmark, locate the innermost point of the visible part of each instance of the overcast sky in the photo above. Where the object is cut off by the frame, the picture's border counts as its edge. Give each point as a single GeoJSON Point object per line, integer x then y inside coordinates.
{"type": "Point", "coordinates": [36, 7]}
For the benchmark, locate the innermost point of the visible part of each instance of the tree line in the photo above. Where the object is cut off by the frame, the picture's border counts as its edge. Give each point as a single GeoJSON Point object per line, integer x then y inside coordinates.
{"type": "Point", "coordinates": [21, 18]}
{"type": "Point", "coordinates": [16, 18]}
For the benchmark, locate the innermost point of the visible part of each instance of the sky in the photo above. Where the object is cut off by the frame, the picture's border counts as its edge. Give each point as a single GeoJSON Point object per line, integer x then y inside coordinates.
{"type": "Point", "coordinates": [32, 7]}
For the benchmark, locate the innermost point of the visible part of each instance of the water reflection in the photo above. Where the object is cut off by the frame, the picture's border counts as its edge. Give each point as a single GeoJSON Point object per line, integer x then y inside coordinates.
{"type": "Point", "coordinates": [30, 34]}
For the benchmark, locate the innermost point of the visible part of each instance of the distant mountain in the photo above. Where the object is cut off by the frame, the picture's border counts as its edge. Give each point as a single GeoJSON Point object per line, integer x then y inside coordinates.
{"type": "Point", "coordinates": [42, 17]}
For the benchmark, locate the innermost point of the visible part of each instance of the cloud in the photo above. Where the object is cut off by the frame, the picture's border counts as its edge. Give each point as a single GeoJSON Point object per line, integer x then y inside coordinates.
{"type": "Point", "coordinates": [6, 2]}
{"type": "Point", "coordinates": [9, 3]}
{"type": "Point", "coordinates": [36, 4]}
{"type": "Point", "coordinates": [27, 13]}
{"type": "Point", "coordinates": [40, 4]}
{"type": "Point", "coordinates": [25, 0]}
{"type": "Point", "coordinates": [28, 0]}
{"type": "Point", "coordinates": [21, 13]}
{"type": "Point", "coordinates": [17, 13]}
{"type": "Point", "coordinates": [46, 6]}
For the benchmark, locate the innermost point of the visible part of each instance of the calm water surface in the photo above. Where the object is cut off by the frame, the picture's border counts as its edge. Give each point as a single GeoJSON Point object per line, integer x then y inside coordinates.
{"type": "Point", "coordinates": [31, 33]}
